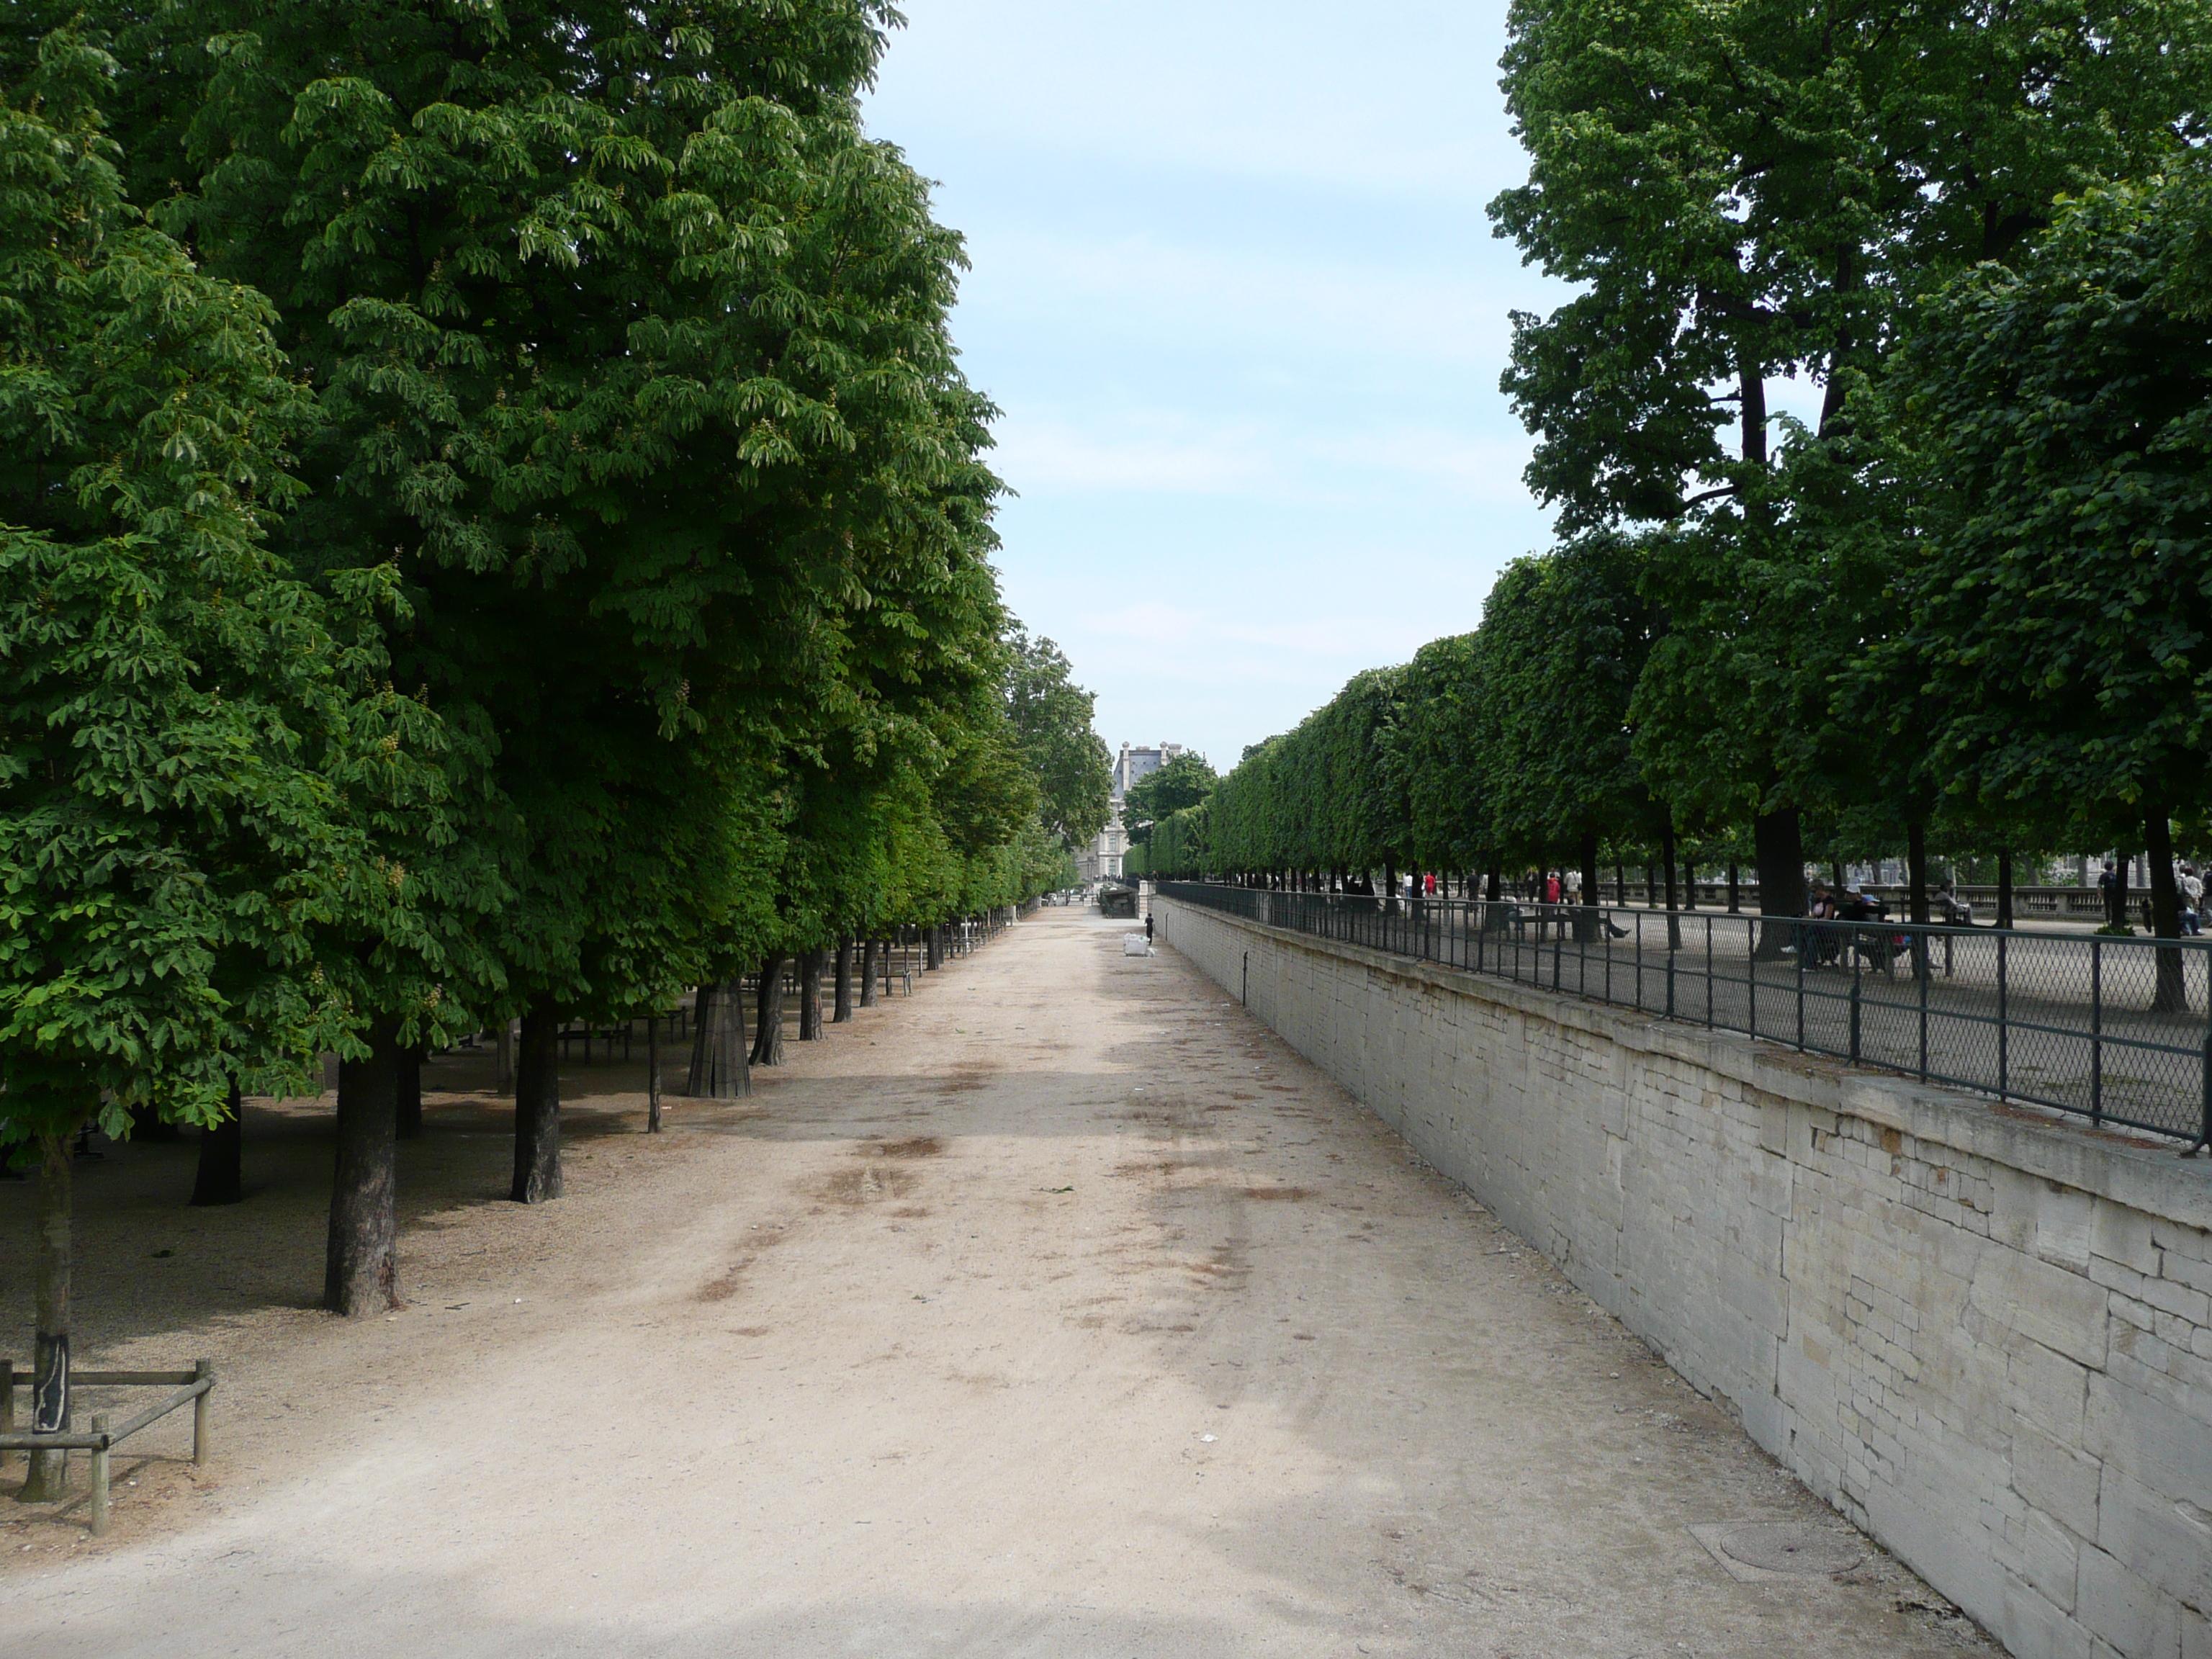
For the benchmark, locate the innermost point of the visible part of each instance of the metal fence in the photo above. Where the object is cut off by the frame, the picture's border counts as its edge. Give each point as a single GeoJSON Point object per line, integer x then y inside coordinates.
{"type": "Point", "coordinates": [2114, 1028]}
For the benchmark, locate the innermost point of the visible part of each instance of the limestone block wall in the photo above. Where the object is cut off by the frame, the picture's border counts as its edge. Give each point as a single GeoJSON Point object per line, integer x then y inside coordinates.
{"type": "Point", "coordinates": [1984, 1335]}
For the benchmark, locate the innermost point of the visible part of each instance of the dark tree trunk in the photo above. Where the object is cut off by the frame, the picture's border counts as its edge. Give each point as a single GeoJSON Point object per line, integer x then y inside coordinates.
{"type": "Point", "coordinates": [718, 1046]}
{"type": "Point", "coordinates": [1916, 873]}
{"type": "Point", "coordinates": [871, 956]}
{"type": "Point", "coordinates": [2172, 996]}
{"type": "Point", "coordinates": [933, 956]}
{"type": "Point", "coordinates": [147, 1123]}
{"type": "Point", "coordinates": [810, 996]}
{"type": "Point", "coordinates": [49, 1357]}
{"type": "Point", "coordinates": [1620, 884]}
{"type": "Point", "coordinates": [503, 1071]}
{"type": "Point", "coordinates": [1497, 880]}
{"type": "Point", "coordinates": [1667, 862]}
{"type": "Point", "coordinates": [841, 996]}
{"type": "Point", "coordinates": [1689, 881]}
{"type": "Point", "coordinates": [767, 1033]}
{"type": "Point", "coordinates": [2116, 899]}
{"type": "Point", "coordinates": [1779, 849]}
{"type": "Point", "coordinates": [2004, 886]}
{"type": "Point", "coordinates": [361, 1259]}
{"type": "Point", "coordinates": [221, 1178]}
{"type": "Point", "coordinates": [1735, 897]}
{"type": "Point", "coordinates": [653, 1074]}
{"type": "Point", "coordinates": [537, 1105]}
{"type": "Point", "coordinates": [699, 1077]}
{"type": "Point", "coordinates": [408, 1118]}
{"type": "Point", "coordinates": [1586, 920]}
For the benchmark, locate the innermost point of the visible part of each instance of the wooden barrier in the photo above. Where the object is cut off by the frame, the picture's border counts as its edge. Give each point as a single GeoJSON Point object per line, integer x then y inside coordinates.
{"type": "Point", "coordinates": [194, 1385]}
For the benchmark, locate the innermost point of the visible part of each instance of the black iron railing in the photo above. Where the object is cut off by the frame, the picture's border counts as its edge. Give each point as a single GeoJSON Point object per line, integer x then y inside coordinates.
{"type": "Point", "coordinates": [2114, 1028]}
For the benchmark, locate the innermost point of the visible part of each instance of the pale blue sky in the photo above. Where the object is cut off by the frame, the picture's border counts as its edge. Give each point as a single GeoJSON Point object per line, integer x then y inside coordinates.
{"type": "Point", "coordinates": [1235, 293]}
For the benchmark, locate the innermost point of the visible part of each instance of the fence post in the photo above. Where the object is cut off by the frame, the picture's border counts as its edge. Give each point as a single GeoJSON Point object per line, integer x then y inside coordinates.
{"type": "Point", "coordinates": [1921, 960]}
{"type": "Point", "coordinates": [1708, 973]}
{"type": "Point", "coordinates": [99, 1477]}
{"type": "Point", "coordinates": [1855, 1009]}
{"type": "Point", "coordinates": [1796, 955]}
{"type": "Point", "coordinates": [203, 1372]}
{"type": "Point", "coordinates": [2004, 1023]}
{"type": "Point", "coordinates": [1750, 969]}
{"type": "Point", "coordinates": [2096, 1030]}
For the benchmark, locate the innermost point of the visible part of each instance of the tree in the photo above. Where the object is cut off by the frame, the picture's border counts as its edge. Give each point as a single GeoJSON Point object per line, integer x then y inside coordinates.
{"type": "Point", "coordinates": [634, 356]}
{"type": "Point", "coordinates": [2060, 597]}
{"type": "Point", "coordinates": [1182, 781]}
{"type": "Point", "coordinates": [1050, 716]}
{"type": "Point", "coordinates": [176, 730]}
{"type": "Point", "coordinates": [1755, 192]}
{"type": "Point", "coordinates": [1563, 641]}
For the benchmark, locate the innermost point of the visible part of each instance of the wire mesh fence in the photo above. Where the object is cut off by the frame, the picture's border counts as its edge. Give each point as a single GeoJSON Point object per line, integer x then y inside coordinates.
{"type": "Point", "coordinates": [2114, 1028]}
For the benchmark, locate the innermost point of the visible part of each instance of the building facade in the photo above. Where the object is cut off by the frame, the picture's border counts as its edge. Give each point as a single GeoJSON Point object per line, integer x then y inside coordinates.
{"type": "Point", "coordinates": [1103, 858]}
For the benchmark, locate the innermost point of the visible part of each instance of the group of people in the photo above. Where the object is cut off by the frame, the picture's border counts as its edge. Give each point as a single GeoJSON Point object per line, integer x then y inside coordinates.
{"type": "Point", "coordinates": [2188, 887]}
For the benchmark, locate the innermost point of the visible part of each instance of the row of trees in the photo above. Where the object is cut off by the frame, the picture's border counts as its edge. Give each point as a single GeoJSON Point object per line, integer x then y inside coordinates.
{"type": "Point", "coordinates": [494, 528]}
{"type": "Point", "coordinates": [1971, 602]}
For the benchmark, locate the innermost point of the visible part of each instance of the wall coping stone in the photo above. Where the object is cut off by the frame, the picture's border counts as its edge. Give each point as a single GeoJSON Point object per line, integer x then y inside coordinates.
{"type": "Point", "coordinates": [2144, 1175]}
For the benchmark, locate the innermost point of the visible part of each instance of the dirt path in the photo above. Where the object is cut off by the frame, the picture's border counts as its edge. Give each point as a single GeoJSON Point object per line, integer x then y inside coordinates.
{"type": "Point", "coordinates": [1059, 1309]}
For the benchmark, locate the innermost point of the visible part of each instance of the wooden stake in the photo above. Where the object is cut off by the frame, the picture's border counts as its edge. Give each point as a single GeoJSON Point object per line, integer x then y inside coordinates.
{"type": "Point", "coordinates": [202, 1371]}
{"type": "Point", "coordinates": [99, 1480]}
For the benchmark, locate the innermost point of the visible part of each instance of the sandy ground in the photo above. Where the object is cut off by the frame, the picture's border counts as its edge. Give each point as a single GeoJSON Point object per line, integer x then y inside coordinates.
{"type": "Point", "coordinates": [1058, 1310]}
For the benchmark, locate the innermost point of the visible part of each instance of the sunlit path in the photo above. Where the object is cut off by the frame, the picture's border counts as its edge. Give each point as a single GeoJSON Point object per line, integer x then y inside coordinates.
{"type": "Point", "coordinates": [1057, 1309]}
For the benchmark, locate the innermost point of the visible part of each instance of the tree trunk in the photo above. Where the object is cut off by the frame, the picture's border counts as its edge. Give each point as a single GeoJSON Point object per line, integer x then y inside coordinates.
{"type": "Point", "coordinates": [1497, 888]}
{"type": "Point", "coordinates": [1620, 884]}
{"type": "Point", "coordinates": [1667, 862]}
{"type": "Point", "coordinates": [2172, 996]}
{"type": "Point", "coordinates": [2116, 899]}
{"type": "Point", "coordinates": [718, 1045]}
{"type": "Point", "coordinates": [768, 1035]}
{"type": "Point", "coordinates": [1689, 881]}
{"type": "Point", "coordinates": [932, 947]}
{"type": "Point", "coordinates": [221, 1178]}
{"type": "Point", "coordinates": [1779, 849]}
{"type": "Point", "coordinates": [872, 956]}
{"type": "Point", "coordinates": [147, 1123]}
{"type": "Point", "coordinates": [361, 1259]}
{"type": "Point", "coordinates": [503, 1069]}
{"type": "Point", "coordinates": [2004, 886]}
{"type": "Point", "coordinates": [1736, 904]}
{"type": "Point", "coordinates": [537, 1105]}
{"type": "Point", "coordinates": [1916, 873]}
{"type": "Point", "coordinates": [653, 1074]}
{"type": "Point", "coordinates": [1586, 920]}
{"type": "Point", "coordinates": [408, 1118]}
{"type": "Point", "coordinates": [841, 997]}
{"type": "Point", "coordinates": [810, 996]}
{"type": "Point", "coordinates": [50, 1360]}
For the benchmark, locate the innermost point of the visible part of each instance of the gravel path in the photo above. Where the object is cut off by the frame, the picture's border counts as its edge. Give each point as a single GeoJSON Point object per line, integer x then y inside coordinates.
{"type": "Point", "coordinates": [1059, 1309]}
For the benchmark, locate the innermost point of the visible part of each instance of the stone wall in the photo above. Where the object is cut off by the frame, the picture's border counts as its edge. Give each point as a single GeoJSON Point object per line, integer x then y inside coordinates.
{"type": "Point", "coordinates": [1983, 1334]}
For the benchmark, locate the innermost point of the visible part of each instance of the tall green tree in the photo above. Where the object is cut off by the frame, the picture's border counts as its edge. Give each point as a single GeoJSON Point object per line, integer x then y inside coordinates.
{"type": "Point", "coordinates": [1183, 780]}
{"type": "Point", "coordinates": [180, 733]}
{"type": "Point", "coordinates": [633, 353]}
{"type": "Point", "coordinates": [1750, 193]}
{"type": "Point", "coordinates": [2061, 591]}
{"type": "Point", "coordinates": [1051, 717]}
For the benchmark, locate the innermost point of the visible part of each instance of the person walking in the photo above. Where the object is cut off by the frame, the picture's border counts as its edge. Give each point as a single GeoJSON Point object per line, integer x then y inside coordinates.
{"type": "Point", "coordinates": [2114, 886]}
{"type": "Point", "coordinates": [2191, 886]}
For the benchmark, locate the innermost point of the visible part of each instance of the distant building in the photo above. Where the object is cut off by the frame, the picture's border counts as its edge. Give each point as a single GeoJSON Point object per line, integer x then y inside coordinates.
{"type": "Point", "coordinates": [1103, 858]}
{"type": "Point", "coordinates": [1136, 765]}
